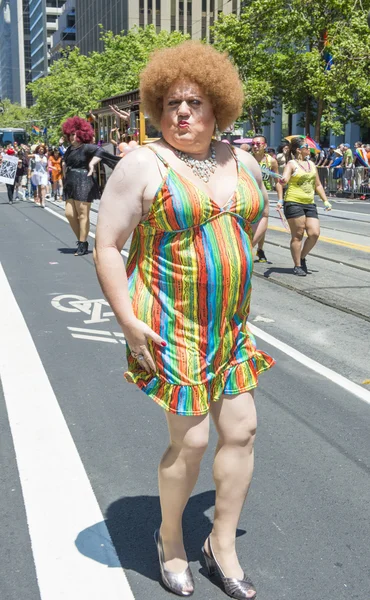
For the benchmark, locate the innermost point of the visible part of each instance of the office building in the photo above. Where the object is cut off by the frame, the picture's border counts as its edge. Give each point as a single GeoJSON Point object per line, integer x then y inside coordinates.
{"type": "Point", "coordinates": [15, 52]}
{"type": "Point", "coordinates": [189, 16]}
{"type": "Point", "coordinates": [65, 36]}
{"type": "Point", "coordinates": [43, 23]}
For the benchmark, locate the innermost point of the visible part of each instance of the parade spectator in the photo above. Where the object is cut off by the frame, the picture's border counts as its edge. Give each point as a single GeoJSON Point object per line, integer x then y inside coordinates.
{"type": "Point", "coordinates": [330, 156]}
{"type": "Point", "coordinates": [281, 156]}
{"type": "Point", "coordinates": [80, 183]}
{"type": "Point", "coordinates": [208, 203]}
{"type": "Point", "coordinates": [55, 166]}
{"type": "Point", "coordinates": [347, 167]}
{"type": "Point", "coordinates": [336, 166]}
{"type": "Point", "coordinates": [40, 176]}
{"type": "Point", "coordinates": [62, 147]}
{"type": "Point", "coordinates": [301, 177]}
{"type": "Point", "coordinates": [368, 153]}
{"type": "Point", "coordinates": [267, 163]}
{"type": "Point", "coordinates": [21, 176]}
{"type": "Point", "coordinates": [10, 186]}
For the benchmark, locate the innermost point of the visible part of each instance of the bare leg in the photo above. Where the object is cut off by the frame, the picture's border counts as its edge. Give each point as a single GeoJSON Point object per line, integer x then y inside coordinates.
{"type": "Point", "coordinates": [42, 192]}
{"type": "Point", "coordinates": [72, 216]}
{"type": "Point", "coordinates": [260, 243]}
{"type": "Point", "coordinates": [236, 423]}
{"type": "Point", "coordinates": [313, 233]}
{"type": "Point", "coordinates": [297, 227]}
{"type": "Point", "coordinates": [83, 211]}
{"type": "Point", "coordinates": [178, 472]}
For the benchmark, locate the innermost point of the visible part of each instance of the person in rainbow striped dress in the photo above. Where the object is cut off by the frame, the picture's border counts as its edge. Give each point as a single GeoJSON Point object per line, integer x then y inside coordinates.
{"type": "Point", "coordinates": [196, 208]}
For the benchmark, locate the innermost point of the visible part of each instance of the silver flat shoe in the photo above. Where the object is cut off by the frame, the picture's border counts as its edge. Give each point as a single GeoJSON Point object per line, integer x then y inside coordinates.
{"type": "Point", "coordinates": [235, 588]}
{"type": "Point", "coordinates": [177, 583]}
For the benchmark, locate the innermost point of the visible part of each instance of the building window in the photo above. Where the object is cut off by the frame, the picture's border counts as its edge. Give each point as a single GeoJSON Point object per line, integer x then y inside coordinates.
{"type": "Point", "coordinates": [141, 13]}
{"type": "Point", "coordinates": [235, 6]}
{"type": "Point", "coordinates": [150, 12]}
{"type": "Point", "coordinates": [220, 6]}
{"type": "Point", "coordinates": [204, 19]}
{"type": "Point", "coordinates": [181, 16]}
{"type": "Point", "coordinates": [158, 15]}
{"type": "Point", "coordinates": [190, 16]}
{"type": "Point", "coordinates": [173, 15]}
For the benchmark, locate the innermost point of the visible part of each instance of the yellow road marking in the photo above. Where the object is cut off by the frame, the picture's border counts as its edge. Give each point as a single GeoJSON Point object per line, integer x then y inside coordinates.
{"type": "Point", "coordinates": [329, 240]}
{"type": "Point", "coordinates": [366, 382]}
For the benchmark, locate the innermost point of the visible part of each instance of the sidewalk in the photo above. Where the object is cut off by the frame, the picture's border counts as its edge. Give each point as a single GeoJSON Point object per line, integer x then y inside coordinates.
{"type": "Point", "coordinates": [332, 283]}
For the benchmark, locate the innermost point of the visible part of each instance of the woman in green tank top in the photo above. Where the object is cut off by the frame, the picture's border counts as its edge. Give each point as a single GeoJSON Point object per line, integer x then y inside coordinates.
{"type": "Point", "coordinates": [300, 174]}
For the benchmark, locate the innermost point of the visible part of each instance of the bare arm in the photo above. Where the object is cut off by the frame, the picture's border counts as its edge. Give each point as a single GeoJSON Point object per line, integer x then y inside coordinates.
{"type": "Point", "coordinates": [94, 161]}
{"type": "Point", "coordinates": [278, 186]}
{"type": "Point", "coordinates": [120, 113]}
{"type": "Point", "coordinates": [120, 213]}
{"type": "Point", "coordinates": [259, 228]}
{"type": "Point", "coordinates": [112, 140]}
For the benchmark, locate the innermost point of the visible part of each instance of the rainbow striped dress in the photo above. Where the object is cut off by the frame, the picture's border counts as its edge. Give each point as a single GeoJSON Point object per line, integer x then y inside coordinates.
{"type": "Point", "coordinates": [189, 271]}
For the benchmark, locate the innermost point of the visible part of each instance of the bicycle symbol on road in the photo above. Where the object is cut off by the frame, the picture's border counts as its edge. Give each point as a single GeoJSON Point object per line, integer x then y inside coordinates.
{"type": "Point", "coordinates": [96, 310]}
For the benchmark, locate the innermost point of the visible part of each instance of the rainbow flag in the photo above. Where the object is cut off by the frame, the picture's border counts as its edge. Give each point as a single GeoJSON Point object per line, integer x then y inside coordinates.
{"type": "Point", "coordinates": [35, 129]}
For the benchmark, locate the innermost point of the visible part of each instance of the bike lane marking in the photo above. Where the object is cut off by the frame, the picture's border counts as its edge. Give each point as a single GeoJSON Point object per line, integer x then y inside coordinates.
{"type": "Point", "coordinates": [58, 497]}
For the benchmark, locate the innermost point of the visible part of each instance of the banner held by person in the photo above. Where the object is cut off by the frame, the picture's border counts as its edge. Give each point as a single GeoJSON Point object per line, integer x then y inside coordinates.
{"type": "Point", "coordinates": [8, 169]}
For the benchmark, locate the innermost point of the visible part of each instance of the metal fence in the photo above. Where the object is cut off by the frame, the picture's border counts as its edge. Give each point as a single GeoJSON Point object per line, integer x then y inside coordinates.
{"type": "Point", "coordinates": [350, 182]}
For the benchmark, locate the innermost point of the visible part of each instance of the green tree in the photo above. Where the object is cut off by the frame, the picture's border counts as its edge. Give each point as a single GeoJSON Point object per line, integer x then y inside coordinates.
{"type": "Point", "coordinates": [286, 44]}
{"type": "Point", "coordinates": [15, 115]}
{"type": "Point", "coordinates": [77, 83]}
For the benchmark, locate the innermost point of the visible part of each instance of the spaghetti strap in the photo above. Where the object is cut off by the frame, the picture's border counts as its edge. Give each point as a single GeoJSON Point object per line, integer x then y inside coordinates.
{"type": "Point", "coordinates": [159, 156]}
{"type": "Point", "coordinates": [233, 153]}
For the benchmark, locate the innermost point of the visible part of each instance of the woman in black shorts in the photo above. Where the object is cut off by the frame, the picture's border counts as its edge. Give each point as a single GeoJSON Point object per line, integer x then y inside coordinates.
{"type": "Point", "coordinates": [300, 174]}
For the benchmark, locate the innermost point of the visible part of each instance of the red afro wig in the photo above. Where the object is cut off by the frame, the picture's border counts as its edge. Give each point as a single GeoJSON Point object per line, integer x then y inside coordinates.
{"type": "Point", "coordinates": [82, 128]}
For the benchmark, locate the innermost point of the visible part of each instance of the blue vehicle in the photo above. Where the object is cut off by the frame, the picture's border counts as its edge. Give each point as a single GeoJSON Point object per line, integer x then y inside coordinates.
{"type": "Point", "coordinates": [9, 135]}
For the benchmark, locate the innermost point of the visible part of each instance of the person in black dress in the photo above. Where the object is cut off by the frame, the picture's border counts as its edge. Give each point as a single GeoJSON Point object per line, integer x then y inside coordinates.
{"type": "Point", "coordinates": [80, 182]}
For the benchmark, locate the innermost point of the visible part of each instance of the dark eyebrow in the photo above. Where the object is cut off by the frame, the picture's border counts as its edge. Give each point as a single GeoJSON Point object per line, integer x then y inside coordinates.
{"type": "Point", "coordinates": [190, 97]}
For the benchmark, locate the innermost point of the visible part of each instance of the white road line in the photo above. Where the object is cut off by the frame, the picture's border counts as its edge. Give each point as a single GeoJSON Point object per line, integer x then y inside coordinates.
{"type": "Point", "coordinates": [63, 218]}
{"type": "Point", "coordinates": [336, 378]}
{"type": "Point", "coordinates": [58, 497]}
{"type": "Point", "coordinates": [86, 330]}
{"type": "Point", "coordinates": [95, 338]}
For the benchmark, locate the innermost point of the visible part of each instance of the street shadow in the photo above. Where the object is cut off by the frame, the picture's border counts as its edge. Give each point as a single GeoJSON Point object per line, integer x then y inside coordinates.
{"type": "Point", "coordinates": [268, 262]}
{"type": "Point", "coordinates": [66, 250]}
{"type": "Point", "coordinates": [131, 523]}
{"type": "Point", "coordinates": [71, 251]}
{"type": "Point", "coordinates": [278, 270]}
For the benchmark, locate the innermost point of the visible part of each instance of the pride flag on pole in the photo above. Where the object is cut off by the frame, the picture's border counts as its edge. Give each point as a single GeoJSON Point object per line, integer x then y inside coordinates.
{"type": "Point", "coordinates": [35, 129]}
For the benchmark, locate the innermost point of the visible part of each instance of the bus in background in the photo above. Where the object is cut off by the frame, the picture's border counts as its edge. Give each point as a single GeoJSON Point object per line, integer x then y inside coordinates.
{"type": "Point", "coordinates": [9, 135]}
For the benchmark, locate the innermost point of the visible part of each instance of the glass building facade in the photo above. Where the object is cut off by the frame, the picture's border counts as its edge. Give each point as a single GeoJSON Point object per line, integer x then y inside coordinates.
{"type": "Point", "coordinates": [43, 15]}
{"type": "Point", "coordinates": [15, 52]}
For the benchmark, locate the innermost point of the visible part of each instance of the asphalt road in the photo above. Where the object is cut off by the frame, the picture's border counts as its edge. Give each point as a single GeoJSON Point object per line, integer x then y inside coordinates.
{"type": "Point", "coordinates": [304, 531]}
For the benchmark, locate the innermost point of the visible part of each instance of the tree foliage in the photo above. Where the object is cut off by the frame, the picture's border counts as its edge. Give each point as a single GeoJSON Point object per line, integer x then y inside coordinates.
{"type": "Point", "coordinates": [77, 83]}
{"type": "Point", "coordinates": [286, 45]}
{"type": "Point", "coordinates": [15, 115]}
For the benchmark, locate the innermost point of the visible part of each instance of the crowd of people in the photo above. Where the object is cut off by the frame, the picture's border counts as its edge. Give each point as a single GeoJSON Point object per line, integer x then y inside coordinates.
{"type": "Point", "coordinates": [39, 172]}
{"type": "Point", "coordinates": [341, 169]}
